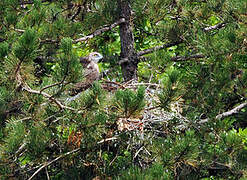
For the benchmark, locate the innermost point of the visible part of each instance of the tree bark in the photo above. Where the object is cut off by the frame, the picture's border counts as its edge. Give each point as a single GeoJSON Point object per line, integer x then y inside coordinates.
{"type": "Point", "coordinates": [128, 57]}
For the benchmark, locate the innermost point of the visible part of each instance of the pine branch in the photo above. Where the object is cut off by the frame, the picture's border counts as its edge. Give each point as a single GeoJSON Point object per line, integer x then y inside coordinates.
{"type": "Point", "coordinates": [148, 51]}
{"type": "Point", "coordinates": [100, 31]}
{"type": "Point", "coordinates": [232, 112]}
{"type": "Point", "coordinates": [52, 161]}
{"type": "Point", "coordinates": [185, 58]}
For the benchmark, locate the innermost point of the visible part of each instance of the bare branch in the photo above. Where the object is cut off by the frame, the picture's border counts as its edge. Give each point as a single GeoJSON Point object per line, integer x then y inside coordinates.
{"type": "Point", "coordinates": [217, 26]}
{"type": "Point", "coordinates": [185, 58]}
{"type": "Point", "coordinates": [52, 161]}
{"type": "Point", "coordinates": [231, 112]}
{"type": "Point", "coordinates": [100, 31]}
{"type": "Point", "coordinates": [148, 51]}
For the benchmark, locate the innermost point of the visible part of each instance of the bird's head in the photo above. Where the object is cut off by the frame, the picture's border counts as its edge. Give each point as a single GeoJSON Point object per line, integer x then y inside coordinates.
{"type": "Point", "coordinates": [95, 57]}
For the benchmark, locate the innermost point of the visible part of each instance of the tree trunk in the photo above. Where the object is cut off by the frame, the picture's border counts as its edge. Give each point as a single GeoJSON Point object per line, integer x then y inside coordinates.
{"type": "Point", "coordinates": [128, 57]}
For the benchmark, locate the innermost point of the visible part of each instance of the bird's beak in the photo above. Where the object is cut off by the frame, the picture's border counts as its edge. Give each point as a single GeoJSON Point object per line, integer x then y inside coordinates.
{"type": "Point", "coordinates": [101, 59]}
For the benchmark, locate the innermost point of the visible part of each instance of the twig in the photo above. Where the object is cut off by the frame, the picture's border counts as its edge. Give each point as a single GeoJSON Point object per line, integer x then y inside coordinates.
{"type": "Point", "coordinates": [52, 161]}
{"type": "Point", "coordinates": [47, 174]}
{"type": "Point", "coordinates": [138, 152]}
{"type": "Point", "coordinates": [100, 31]}
{"type": "Point", "coordinates": [20, 148]}
{"type": "Point", "coordinates": [231, 112]}
{"type": "Point", "coordinates": [147, 151]}
{"type": "Point", "coordinates": [113, 160]}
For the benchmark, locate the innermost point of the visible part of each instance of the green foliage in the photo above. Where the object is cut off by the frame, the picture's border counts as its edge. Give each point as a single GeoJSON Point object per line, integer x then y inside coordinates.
{"type": "Point", "coordinates": [27, 45]}
{"type": "Point", "coordinates": [16, 135]}
{"type": "Point", "coordinates": [68, 65]}
{"type": "Point", "coordinates": [170, 88]}
{"type": "Point", "coordinates": [129, 103]}
{"type": "Point", "coordinates": [66, 46]}
{"type": "Point", "coordinates": [93, 98]}
{"type": "Point", "coordinates": [38, 138]}
{"type": "Point", "coordinates": [3, 50]}
{"type": "Point", "coordinates": [153, 172]}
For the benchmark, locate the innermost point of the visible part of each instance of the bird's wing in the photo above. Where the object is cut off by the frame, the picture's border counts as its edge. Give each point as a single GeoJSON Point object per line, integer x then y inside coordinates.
{"type": "Point", "coordinates": [91, 74]}
{"type": "Point", "coordinates": [84, 61]}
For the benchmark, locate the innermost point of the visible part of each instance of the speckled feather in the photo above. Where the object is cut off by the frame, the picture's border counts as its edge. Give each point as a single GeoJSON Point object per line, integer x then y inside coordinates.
{"type": "Point", "coordinates": [91, 72]}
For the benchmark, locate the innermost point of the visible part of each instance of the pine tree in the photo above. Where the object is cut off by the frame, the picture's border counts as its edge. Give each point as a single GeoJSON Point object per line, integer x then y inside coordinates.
{"type": "Point", "coordinates": [171, 103]}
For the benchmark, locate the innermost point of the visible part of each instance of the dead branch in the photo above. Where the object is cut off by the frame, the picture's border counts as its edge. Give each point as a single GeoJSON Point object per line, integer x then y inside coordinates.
{"type": "Point", "coordinates": [100, 31]}
{"type": "Point", "coordinates": [52, 161]}
{"type": "Point", "coordinates": [231, 112]}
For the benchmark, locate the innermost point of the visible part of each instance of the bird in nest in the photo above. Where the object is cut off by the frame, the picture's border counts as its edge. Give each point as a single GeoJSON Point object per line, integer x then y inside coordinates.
{"type": "Point", "coordinates": [91, 72]}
